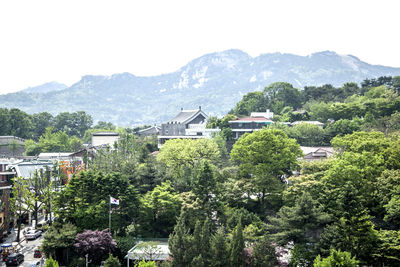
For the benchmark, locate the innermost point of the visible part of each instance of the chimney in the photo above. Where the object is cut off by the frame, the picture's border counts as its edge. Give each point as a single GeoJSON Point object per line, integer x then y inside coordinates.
{"type": "Point", "coordinates": [181, 109]}
{"type": "Point", "coordinates": [200, 107]}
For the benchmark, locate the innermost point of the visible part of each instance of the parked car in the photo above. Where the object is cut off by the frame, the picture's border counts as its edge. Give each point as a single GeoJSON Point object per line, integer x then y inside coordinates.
{"type": "Point", "coordinates": [37, 253]}
{"type": "Point", "coordinates": [33, 234]}
{"type": "Point", "coordinates": [14, 259]}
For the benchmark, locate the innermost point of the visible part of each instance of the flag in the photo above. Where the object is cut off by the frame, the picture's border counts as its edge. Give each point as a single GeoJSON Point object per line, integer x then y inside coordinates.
{"type": "Point", "coordinates": [114, 201]}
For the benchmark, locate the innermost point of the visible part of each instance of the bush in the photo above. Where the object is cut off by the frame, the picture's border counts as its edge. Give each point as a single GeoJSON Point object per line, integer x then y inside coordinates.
{"type": "Point", "coordinates": [336, 258]}
{"type": "Point", "coordinates": [51, 263]}
{"type": "Point", "coordinates": [112, 262]}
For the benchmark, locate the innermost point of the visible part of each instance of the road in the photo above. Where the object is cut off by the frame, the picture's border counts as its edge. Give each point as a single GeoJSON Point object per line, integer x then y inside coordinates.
{"type": "Point", "coordinates": [27, 248]}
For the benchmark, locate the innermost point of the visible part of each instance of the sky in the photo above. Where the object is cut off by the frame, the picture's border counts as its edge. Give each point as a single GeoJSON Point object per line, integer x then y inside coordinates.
{"type": "Point", "coordinates": [43, 41]}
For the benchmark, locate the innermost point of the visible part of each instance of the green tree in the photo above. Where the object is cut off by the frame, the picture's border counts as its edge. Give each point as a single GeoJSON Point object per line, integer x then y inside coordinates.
{"type": "Point", "coordinates": [20, 124]}
{"type": "Point", "coordinates": [59, 240]}
{"type": "Point", "coordinates": [180, 244]}
{"type": "Point", "coordinates": [219, 249]}
{"type": "Point", "coordinates": [112, 261]}
{"type": "Point", "coordinates": [336, 258]}
{"type": "Point", "coordinates": [159, 210]}
{"type": "Point", "coordinates": [40, 122]}
{"type": "Point", "coordinates": [263, 254]}
{"type": "Point", "coordinates": [236, 249]}
{"type": "Point", "coordinates": [182, 155]}
{"type": "Point", "coordinates": [266, 156]}
{"type": "Point", "coordinates": [301, 223]}
{"type": "Point", "coordinates": [144, 263]}
{"type": "Point", "coordinates": [85, 201]}
{"type": "Point", "coordinates": [22, 200]}
{"type": "Point", "coordinates": [51, 263]}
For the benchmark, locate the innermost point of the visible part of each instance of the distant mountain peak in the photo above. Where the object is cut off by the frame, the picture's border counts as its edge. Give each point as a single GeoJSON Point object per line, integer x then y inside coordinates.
{"type": "Point", "coordinates": [215, 81]}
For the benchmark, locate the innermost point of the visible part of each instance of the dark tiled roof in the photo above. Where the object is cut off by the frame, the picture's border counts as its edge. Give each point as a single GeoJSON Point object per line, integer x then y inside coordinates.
{"type": "Point", "coordinates": [185, 115]}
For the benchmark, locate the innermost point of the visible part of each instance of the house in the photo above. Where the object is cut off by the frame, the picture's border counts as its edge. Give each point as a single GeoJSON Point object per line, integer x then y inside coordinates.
{"type": "Point", "coordinates": [255, 122]}
{"type": "Point", "coordinates": [5, 189]}
{"type": "Point", "coordinates": [317, 123]}
{"type": "Point", "coordinates": [317, 153]}
{"type": "Point", "coordinates": [187, 124]}
{"type": "Point", "coordinates": [11, 147]}
{"type": "Point", "coordinates": [70, 163]}
{"type": "Point", "coordinates": [148, 250]}
{"type": "Point", "coordinates": [153, 130]}
{"type": "Point", "coordinates": [105, 138]}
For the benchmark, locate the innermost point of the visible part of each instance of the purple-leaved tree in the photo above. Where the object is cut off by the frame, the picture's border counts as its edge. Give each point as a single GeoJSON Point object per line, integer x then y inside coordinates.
{"type": "Point", "coordinates": [96, 244]}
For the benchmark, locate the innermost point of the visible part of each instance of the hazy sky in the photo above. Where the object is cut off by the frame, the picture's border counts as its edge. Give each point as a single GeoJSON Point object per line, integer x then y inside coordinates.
{"type": "Point", "coordinates": [42, 41]}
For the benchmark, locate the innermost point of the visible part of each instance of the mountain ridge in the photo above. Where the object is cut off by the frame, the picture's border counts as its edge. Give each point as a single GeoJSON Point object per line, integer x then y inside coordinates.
{"type": "Point", "coordinates": [216, 81]}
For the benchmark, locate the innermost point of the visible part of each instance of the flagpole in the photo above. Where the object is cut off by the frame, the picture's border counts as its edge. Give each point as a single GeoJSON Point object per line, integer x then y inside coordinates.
{"type": "Point", "coordinates": [109, 215]}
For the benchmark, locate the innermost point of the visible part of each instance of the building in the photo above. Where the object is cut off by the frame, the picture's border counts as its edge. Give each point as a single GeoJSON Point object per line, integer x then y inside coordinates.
{"type": "Point", "coordinates": [317, 123]}
{"type": "Point", "coordinates": [5, 188]}
{"type": "Point", "coordinates": [11, 147]}
{"type": "Point", "coordinates": [105, 138]}
{"type": "Point", "coordinates": [148, 250]}
{"type": "Point", "coordinates": [255, 122]}
{"type": "Point", "coordinates": [153, 130]}
{"type": "Point", "coordinates": [189, 124]}
{"type": "Point", "coordinates": [317, 153]}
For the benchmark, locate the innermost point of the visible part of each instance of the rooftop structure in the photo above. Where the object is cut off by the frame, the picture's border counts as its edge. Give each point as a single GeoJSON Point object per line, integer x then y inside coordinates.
{"type": "Point", "coordinates": [187, 124]}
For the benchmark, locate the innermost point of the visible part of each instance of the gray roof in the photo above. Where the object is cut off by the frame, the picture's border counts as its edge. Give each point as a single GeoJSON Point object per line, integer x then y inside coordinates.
{"type": "Point", "coordinates": [27, 169]}
{"type": "Point", "coordinates": [186, 115]}
{"type": "Point", "coordinates": [105, 134]}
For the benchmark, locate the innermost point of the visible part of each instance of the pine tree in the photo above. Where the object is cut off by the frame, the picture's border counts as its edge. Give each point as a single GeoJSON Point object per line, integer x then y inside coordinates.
{"type": "Point", "coordinates": [237, 246]}
{"type": "Point", "coordinates": [180, 243]}
{"type": "Point", "coordinates": [219, 249]}
{"type": "Point", "coordinates": [263, 254]}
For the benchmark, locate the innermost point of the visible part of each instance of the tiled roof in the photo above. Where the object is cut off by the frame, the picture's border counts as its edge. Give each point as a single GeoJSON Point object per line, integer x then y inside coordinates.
{"type": "Point", "coordinates": [185, 115]}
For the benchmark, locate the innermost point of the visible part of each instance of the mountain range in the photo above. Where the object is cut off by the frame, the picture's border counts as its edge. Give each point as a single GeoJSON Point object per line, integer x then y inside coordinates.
{"type": "Point", "coordinates": [214, 81]}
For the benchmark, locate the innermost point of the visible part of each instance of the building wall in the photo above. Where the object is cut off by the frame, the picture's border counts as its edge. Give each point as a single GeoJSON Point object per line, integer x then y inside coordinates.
{"type": "Point", "coordinates": [173, 129]}
{"type": "Point", "coordinates": [104, 140]}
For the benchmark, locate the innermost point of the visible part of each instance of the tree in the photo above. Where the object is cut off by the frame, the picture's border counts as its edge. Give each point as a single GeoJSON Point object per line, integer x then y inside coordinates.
{"type": "Point", "coordinates": [58, 240]}
{"type": "Point", "coordinates": [85, 201]}
{"type": "Point", "coordinates": [263, 254]}
{"type": "Point", "coordinates": [336, 258]}
{"type": "Point", "coordinates": [144, 263]}
{"type": "Point", "coordinates": [236, 250]}
{"type": "Point", "coordinates": [20, 124]}
{"type": "Point", "coordinates": [180, 243]}
{"type": "Point", "coordinates": [95, 243]}
{"type": "Point", "coordinates": [219, 249]}
{"type": "Point", "coordinates": [251, 102]}
{"type": "Point", "coordinates": [112, 261]}
{"type": "Point", "coordinates": [159, 209]}
{"type": "Point", "coordinates": [21, 201]}
{"type": "Point", "coordinates": [282, 94]}
{"type": "Point", "coordinates": [40, 122]}
{"type": "Point", "coordinates": [73, 123]}
{"type": "Point", "coordinates": [182, 155]}
{"type": "Point", "coordinates": [266, 156]}
{"type": "Point", "coordinates": [51, 263]}
{"type": "Point", "coordinates": [300, 223]}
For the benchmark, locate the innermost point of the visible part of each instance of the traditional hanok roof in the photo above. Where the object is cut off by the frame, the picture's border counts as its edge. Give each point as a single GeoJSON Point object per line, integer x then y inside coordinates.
{"type": "Point", "coordinates": [186, 116]}
{"type": "Point", "coordinates": [152, 129]}
{"type": "Point", "coordinates": [313, 153]}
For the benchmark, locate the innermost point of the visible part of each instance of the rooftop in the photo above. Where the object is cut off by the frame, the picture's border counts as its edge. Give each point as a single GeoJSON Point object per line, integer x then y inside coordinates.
{"type": "Point", "coordinates": [186, 115]}
{"type": "Point", "coordinates": [251, 119]}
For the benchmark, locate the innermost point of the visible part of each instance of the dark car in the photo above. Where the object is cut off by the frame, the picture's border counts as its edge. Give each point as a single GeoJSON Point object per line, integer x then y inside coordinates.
{"type": "Point", "coordinates": [14, 259]}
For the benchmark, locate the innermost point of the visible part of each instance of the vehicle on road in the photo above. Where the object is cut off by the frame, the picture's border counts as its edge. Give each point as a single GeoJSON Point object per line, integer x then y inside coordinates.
{"type": "Point", "coordinates": [37, 253]}
{"type": "Point", "coordinates": [14, 259]}
{"type": "Point", "coordinates": [33, 234]}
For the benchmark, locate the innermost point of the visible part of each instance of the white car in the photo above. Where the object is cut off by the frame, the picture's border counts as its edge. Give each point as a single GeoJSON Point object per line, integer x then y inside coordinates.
{"type": "Point", "coordinates": [33, 234]}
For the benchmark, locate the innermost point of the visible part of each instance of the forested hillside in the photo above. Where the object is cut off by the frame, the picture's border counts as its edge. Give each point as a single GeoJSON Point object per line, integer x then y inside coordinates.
{"type": "Point", "coordinates": [214, 81]}
{"type": "Point", "coordinates": [259, 205]}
